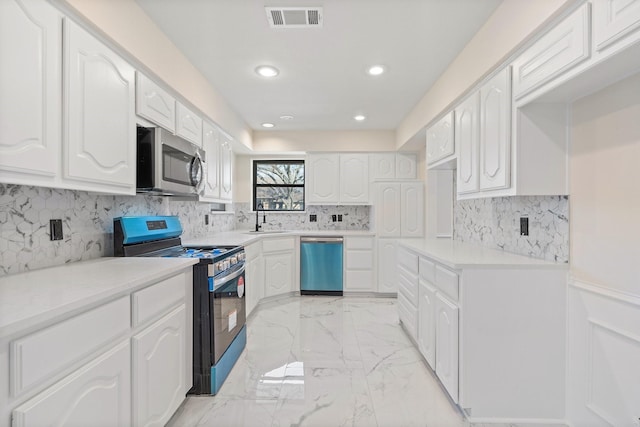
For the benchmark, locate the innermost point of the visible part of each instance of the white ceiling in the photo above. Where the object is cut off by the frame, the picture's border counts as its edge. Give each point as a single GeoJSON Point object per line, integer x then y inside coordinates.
{"type": "Point", "coordinates": [323, 81]}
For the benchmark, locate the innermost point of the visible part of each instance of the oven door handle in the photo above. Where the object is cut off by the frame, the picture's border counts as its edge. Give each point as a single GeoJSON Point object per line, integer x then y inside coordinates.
{"type": "Point", "coordinates": [225, 279]}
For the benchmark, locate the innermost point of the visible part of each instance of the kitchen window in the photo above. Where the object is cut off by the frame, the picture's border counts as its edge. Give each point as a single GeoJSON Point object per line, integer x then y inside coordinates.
{"type": "Point", "coordinates": [278, 185]}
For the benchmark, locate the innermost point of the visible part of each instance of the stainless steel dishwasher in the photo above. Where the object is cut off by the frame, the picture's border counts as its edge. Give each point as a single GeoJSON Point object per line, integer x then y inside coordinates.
{"type": "Point", "coordinates": [320, 265]}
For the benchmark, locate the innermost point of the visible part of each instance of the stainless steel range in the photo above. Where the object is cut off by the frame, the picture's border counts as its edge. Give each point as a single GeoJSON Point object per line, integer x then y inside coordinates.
{"type": "Point", "coordinates": [219, 313]}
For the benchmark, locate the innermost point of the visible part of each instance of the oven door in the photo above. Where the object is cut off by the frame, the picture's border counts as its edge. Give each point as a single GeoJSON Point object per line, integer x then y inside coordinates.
{"type": "Point", "coordinates": [228, 310]}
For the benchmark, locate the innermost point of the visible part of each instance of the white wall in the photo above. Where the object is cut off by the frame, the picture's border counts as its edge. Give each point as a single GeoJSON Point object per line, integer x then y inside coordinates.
{"type": "Point", "coordinates": [380, 140]}
{"type": "Point", "coordinates": [124, 22]}
{"type": "Point", "coordinates": [511, 25]}
{"type": "Point", "coordinates": [604, 296]}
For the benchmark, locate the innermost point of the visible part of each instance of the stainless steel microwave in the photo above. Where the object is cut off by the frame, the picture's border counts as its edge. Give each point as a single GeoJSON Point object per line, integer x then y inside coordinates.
{"type": "Point", "coordinates": [167, 164]}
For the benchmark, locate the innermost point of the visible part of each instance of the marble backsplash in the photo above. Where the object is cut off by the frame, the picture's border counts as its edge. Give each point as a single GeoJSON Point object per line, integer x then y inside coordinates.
{"type": "Point", "coordinates": [87, 222]}
{"type": "Point", "coordinates": [353, 218]}
{"type": "Point", "coordinates": [495, 223]}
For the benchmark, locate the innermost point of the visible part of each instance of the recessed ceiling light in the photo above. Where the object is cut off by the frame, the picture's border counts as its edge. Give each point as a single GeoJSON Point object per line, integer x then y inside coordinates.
{"type": "Point", "coordinates": [267, 71]}
{"type": "Point", "coordinates": [268, 125]}
{"type": "Point", "coordinates": [286, 117]}
{"type": "Point", "coordinates": [359, 117]}
{"type": "Point", "coordinates": [376, 70]}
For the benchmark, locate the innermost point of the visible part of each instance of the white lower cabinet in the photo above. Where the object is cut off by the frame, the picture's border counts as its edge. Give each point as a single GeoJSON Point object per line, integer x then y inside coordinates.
{"type": "Point", "coordinates": [97, 394]}
{"type": "Point", "coordinates": [254, 287]}
{"type": "Point", "coordinates": [447, 344]}
{"type": "Point", "coordinates": [158, 367]}
{"type": "Point", "coordinates": [408, 290]}
{"type": "Point", "coordinates": [387, 269]}
{"type": "Point", "coordinates": [359, 264]}
{"type": "Point", "coordinates": [427, 322]}
{"type": "Point", "coordinates": [279, 259]}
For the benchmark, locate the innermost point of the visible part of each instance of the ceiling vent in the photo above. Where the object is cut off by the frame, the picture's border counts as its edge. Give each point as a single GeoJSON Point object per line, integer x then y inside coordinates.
{"type": "Point", "coordinates": [294, 17]}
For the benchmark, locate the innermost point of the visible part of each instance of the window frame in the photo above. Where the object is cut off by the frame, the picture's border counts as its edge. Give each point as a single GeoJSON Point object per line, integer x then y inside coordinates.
{"type": "Point", "coordinates": [255, 185]}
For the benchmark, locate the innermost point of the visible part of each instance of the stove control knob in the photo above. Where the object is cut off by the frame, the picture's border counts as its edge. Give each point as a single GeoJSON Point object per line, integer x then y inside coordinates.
{"type": "Point", "coordinates": [233, 260]}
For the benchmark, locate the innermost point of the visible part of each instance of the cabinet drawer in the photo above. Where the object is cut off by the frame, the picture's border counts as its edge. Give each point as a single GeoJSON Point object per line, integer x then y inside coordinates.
{"type": "Point", "coordinates": [408, 286]}
{"type": "Point", "coordinates": [253, 250]}
{"type": "Point", "coordinates": [359, 242]}
{"type": "Point", "coordinates": [362, 260]}
{"type": "Point", "coordinates": [158, 298]}
{"type": "Point", "coordinates": [276, 245]}
{"type": "Point", "coordinates": [408, 259]}
{"type": "Point", "coordinates": [359, 281]}
{"type": "Point", "coordinates": [562, 48]}
{"type": "Point", "coordinates": [447, 282]}
{"type": "Point", "coordinates": [427, 270]}
{"type": "Point", "coordinates": [41, 355]}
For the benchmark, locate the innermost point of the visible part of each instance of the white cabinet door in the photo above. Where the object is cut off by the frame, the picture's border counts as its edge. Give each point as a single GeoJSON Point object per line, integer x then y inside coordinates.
{"type": "Point", "coordinates": [382, 166]}
{"type": "Point", "coordinates": [467, 140]}
{"type": "Point", "coordinates": [427, 322]}
{"type": "Point", "coordinates": [406, 166]}
{"type": "Point", "coordinates": [211, 146]}
{"type": "Point", "coordinates": [495, 131]}
{"type": "Point", "coordinates": [559, 50]}
{"type": "Point", "coordinates": [388, 209]}
{"type": "Point", "coordinates": [412, 208]}
{"type": "Point", "coordinates": [154, 103]}
{"type": "Point", "coordinates": [440, 143]}
{"type": "Point", "coordinates": [322, 178]}
{"type": "Point", "coordinates": [254, 288]}
{"type": "Point", "coordinates": [31, 94]}
{"type": "Point", "coordinates": [387, 266]}
{"type": "Point", "coordinates": [159, 369]}
{"type": "Point", "coordinates": [354, 178]}
{"type": "Point", "coordinates": [447, 345]}
{"type": "Point", "coordinates": [278, 273]}
{"type": "Point", "coordinates": [226, 169]}
{"type": "Point", "coordinates": [99, 392]}
{"type": "Point", "coordinates": [613, 20]}
{"type": "Point", "coordinates": [100, 124]}
{"type": "Point", "coordinates": [188, 124]}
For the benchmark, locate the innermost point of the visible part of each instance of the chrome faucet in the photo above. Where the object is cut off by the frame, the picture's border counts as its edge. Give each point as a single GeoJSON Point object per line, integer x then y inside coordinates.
{"type": "Point", "coordinates": [264, 216]}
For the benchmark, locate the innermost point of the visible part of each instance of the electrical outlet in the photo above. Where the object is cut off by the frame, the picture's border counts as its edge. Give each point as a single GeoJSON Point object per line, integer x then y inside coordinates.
{"type": "Point", "coordinates": [524, 226]}
{"type": "Point", "coordinates": [55, 229]}
{"type": "Point", "coordinates": [313, 218]}
{"type": "Point", "coordinates": [206, 219]}
{"type": "Point", "coordinates": [333, 218]}
{"type": "Point", "coordinates": [339, 218]}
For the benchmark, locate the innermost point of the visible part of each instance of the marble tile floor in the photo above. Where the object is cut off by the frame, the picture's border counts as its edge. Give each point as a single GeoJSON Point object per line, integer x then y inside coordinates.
{"type": "Point", "coordinates": [325, 361]}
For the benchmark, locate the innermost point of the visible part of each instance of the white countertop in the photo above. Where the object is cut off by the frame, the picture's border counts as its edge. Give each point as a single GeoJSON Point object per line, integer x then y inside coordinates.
{"type": "Point", "coordinates": [38, 297]}
{"type": "Point", "coordinates": [246, 237]}
{"type": "Point", "coordinates": [458, 255]}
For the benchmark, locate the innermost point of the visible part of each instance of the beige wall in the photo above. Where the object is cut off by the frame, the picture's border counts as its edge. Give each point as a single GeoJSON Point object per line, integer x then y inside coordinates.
{"type": "Point", "coordinates": [126, 24]}
{"type": "Point", "coordinates": [508, 28]}
{"type": "Point", "coordinates": [605, 188]}
{"type": "Point", "coordinates": [380, 140]}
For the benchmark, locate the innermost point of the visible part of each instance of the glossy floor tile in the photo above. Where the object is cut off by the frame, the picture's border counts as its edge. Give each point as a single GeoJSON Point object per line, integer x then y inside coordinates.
{"type": "Point", "coordinates": [325, 361]}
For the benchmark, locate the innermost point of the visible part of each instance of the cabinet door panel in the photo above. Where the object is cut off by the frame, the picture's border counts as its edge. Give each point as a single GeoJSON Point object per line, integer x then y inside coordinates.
{"type": "Point", "coordinates": [427, 323]}
{"type": "Point", "coordinates": [440, 139]}
{"type": "Point", "coordinates": [406, 166]}
{"type": "Point", "coordinates": [188, 124]}
{"type": "Point", "coordinates": [99, 392]}
{"type": "Point", "coordinates": [100, 113]}
{"type": "Point", "coordinates": [31, 92]}
{"type": "Point", "coordinates": [613, 20]}
{"type": "Point", "coordinates": [211, 145]}
{"type": "Point", "coordinates": [412, 202]}
{"type": "Point", "coordinates": [159, 359]}
{"type": "Point", "coordinates": [495, 131]}
{"type": "Point", "coordinates": [382, 166]}
{"type": "Point", "coordinates": [278, 273]}
{"type": "Point", "coordinates": [154, 103]}
{"type": "Point", "coordinates": [323, 178]}
{"type": "Point", "coordinates": [387, 266]}
{"type": "Point", "coordinates": [388, 210]}
{"type": "Point", "coordinates": [467, 136]}
{"type": "Point", "coordinates": [447, 345]}
{"type": "Point", "coordinates": [226, 170]}
{"type": "Point", "coordinates": [354, 178]}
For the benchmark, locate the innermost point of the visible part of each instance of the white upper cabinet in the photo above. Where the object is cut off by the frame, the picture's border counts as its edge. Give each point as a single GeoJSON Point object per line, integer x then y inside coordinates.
{"type": "Point", "coordinates": [31, 94]}
{"type": "Point", "coordinates": [388, 209]}
{"type": "Point", "coordinates": [154, 103]}
{"type": "Point", "coordinates": [467, 138]}
{"type": "Point", "coordinates": [613, 20]}
{"type": "Point", "coordinates": [440, 142]}
{"type": "Point", "coordinates": [188, 124]}
{"type": "Point", "coordinates": [226, 168]}
{"type": "Point", "coordinates": [406, 166]}
{"type": "Point", "coordinates": [412, 210]}
{"type": "Point", "coordinates": [382, 166]}
{"type": "Point", "coordinates": [495, 131]}
{"type": "Point", "coordinates": [99, 120]}
{"type": "Point", "coordinates": [559, 50]}
{"type": "Point", "coordinates": [354, 178]}
{"type": "Point", "coordinates": [322, 178]}
{"type": "Point", "coordinates": [211, 146]}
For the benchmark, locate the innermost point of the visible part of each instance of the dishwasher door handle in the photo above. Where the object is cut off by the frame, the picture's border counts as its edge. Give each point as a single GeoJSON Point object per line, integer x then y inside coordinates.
{"type": "Point", "coordinates": [321, 239]}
